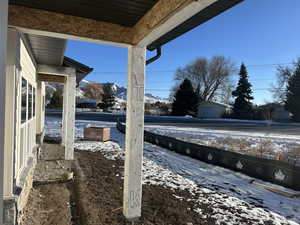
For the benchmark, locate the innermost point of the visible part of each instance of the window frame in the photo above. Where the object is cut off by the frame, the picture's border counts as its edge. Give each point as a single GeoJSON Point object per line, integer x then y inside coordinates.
{"type": "Point", "coordinates": [24, 113]}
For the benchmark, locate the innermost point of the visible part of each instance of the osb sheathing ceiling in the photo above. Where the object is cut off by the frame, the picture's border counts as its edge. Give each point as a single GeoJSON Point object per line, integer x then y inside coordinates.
{"type": "Point", "coordinates": [142, 18]}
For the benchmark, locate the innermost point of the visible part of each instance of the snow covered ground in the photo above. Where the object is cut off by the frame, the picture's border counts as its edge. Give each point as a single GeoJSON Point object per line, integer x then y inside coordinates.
{"type": "Point", "coordinates": [232, 198]}
{"type": "Point", "coordinates": [243, 142]}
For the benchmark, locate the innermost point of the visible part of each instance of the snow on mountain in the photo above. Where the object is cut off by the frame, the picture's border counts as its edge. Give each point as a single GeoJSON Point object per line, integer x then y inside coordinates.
{"type": "Point", "coordinates": [120, 92]}
{"type": "Point", "coordinates": [83, 83]}
{"type": "Point", "coordinates": [149, 98]}
{"type": "Point", "coordinates": [79, 93]}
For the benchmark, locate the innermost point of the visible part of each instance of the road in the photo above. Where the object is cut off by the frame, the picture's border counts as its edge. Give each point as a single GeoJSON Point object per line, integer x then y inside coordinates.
{"type": "Point", "coordinates": [285, 129]}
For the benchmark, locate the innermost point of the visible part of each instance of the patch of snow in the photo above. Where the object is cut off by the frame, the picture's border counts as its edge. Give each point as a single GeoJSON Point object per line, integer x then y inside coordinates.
{"type": "Point", "coordinates": [83, 83]}
{"type": "Point", "coordinates": [269, 122]}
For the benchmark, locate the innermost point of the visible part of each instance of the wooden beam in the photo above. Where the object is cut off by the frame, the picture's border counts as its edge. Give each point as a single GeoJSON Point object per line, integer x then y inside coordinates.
{"type": "Point", "coordinates": [165, 16]}
{"type": "Point", "coordinates": [3, 49]}
{"type": "Point", "coordinates": [51, 78]}
{"type": "Point", "coordinates": [66, 26]}
{"type": "Point", "coordinates": [134, 143]}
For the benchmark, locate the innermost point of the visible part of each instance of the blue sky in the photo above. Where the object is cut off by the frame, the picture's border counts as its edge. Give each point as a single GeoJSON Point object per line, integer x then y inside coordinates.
{"type": "Point", "coordinates": [256, 32]}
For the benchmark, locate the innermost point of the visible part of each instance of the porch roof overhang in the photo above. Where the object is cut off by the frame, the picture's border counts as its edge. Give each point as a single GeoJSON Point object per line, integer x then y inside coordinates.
{"type": "Point", "coordinates": [125, 22]}
{"type": "Point", "coordinates": [81, 70]}
{"type": "Point", "coordinates": [50, 51]}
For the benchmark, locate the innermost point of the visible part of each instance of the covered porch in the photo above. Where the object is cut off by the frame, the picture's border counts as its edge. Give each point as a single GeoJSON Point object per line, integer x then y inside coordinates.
{"type": "Point", "coordinates": [136, 25]}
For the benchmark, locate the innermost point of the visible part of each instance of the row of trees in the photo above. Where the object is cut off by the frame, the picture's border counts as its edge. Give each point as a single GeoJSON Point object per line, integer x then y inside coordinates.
{"type": "Point", "coordinates": [187, 99]}
{"type": "Point", "coordinates": [201, 81]}
{"type": "Point", "coordinates": [209, 80]}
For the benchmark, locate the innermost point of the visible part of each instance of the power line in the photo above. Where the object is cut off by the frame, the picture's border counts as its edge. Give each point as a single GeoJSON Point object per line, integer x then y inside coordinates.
{"type": "Point", "coordinates": [172, 71]}
{"type": "Point", "coordinates": [163, 89]}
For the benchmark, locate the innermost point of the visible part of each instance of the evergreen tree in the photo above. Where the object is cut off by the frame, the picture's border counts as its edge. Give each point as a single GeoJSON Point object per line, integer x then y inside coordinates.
{"type": "Point", "coordinates": [108, 97]}
{"type": "Point", "coordinates": [242, 108]}
{"type": "Point", "coordinates": [292, 103]}
{"type": "Point", "coordinates": [56, 100]}
{"type": "Point", "coordinates": [185, 100]}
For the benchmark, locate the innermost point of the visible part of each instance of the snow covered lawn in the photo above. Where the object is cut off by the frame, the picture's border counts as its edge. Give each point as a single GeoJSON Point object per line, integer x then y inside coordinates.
{"type": "Point", "coordinates": [229, 194]}
{"type": "Point", "coordinates": [266, 145]}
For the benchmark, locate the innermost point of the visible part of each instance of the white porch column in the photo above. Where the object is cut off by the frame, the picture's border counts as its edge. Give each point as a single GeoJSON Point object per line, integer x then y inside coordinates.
{"type": "Point", "coordinates": [3, 49]}
{"type": "Point", "coordinates": [64, 116]}
{"type": "Point", "coordinates": [134, 133]}
{"type": "Point", "coordinates": [69, 118]}
{"type": "Point", "coordinates": [40, 107]}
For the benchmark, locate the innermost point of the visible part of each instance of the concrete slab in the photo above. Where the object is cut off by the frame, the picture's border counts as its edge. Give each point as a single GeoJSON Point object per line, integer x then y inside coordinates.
{"type": "Point", "coordinates": [51, 166]}
{"type": "Point", "coordinates": [52, 152]}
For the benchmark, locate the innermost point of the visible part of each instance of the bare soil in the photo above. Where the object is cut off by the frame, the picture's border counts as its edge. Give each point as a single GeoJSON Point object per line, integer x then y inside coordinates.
{"type": "Point", "coordinates": [48, 205]}
{"type": "Point", "coordinates": [98, 194]}
{"type": "Point", "coordinates": [95, 197]}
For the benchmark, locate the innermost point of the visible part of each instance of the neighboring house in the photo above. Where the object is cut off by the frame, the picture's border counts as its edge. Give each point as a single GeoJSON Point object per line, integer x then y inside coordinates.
{"type": "Point", "coordinates": [31, 61]}
{"type": "Point", "coordinates": [280, 113]}
{"type": "Point", "coordinates": [212, 110]}
{"type": "Point", "coordinates": [274, 111]}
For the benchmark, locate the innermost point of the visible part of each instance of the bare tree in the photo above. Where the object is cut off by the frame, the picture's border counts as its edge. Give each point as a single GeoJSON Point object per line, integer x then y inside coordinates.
{"type": "Point", "coordinates": [284, 73]}
{"type": "Point", "coordinates": [93, 91]}
{"type": "Point", "coordinates": [210, 78]}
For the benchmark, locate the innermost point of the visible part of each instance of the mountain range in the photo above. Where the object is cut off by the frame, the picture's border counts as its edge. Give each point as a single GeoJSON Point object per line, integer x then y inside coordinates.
{"type": "Point", "coordinates": [120, 92]}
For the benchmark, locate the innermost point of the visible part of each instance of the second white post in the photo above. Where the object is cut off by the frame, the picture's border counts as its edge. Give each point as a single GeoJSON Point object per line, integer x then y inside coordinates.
{"type": "Point", "coordinates": [134, 133]}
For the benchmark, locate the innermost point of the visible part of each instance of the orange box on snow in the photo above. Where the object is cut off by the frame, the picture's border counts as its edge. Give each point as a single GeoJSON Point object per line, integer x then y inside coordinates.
{"type": "Point", "coordinates": [97, 133]}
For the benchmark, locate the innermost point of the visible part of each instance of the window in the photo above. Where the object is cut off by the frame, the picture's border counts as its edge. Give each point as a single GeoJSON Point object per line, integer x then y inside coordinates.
{"type": "Point", "coordinates": [33, 101]}
{"type": "Point", "coordinates": [24, 101]}
{"type": "Point", "coordinates": [29, 101]}
{"type": "Point", "coordinates": [43, 104]}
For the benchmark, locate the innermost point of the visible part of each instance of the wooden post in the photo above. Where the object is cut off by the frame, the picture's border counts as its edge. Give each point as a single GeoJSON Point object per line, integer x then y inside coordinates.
{"type": "Point", "coordinates": [64, 115]}
{"type": "Point", "coordinates": [134, 133]}
{"type": "Point", "coordinates": [70, 116]}
{"type": "Point", "coordinates": [3, 49]}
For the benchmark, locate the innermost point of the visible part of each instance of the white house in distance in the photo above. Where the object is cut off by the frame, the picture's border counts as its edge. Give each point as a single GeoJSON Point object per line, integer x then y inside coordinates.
{"type": "Point", "coordinates": [31, 61]}
{"type": "Point", "coordinates": [136, 25]}
{"type": "Point", "coordinates": [212, 110]}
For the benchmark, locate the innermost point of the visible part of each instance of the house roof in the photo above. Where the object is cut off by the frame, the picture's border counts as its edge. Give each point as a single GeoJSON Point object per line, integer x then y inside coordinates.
{"type": "Point", "coordinates": [126, 13]}
{"type": "Point", "coordinates": [46, 50]}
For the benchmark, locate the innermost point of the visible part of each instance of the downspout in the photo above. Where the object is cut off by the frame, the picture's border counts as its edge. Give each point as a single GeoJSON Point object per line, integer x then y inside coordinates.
{"type": "Point", "coordinates": [154, 58]}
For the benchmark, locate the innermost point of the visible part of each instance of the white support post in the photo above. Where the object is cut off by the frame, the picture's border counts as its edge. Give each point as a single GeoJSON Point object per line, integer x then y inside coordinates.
{"type": "Point", "coordinates": [70, 117]}
{"type": "Point", "coordinates": [64, 116]}
{"type": "Point", "coordinates": [134, 133]}
{"type": "Point", "coordinates": [39, 108]}
{"type": "Point", "coordinates": [3, 49]}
